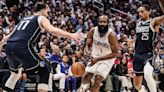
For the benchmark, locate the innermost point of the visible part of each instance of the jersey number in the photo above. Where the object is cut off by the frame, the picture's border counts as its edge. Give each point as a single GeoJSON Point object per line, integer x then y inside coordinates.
{"type": "Point", "coordinates": [145, 36]}
{"type": "Point", "coordinates": [23, 24]}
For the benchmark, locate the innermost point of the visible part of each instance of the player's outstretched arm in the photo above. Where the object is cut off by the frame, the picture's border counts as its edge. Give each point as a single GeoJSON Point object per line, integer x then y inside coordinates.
{"type": "Point", "coordinates": [161, 4]}
{"type": "Point", "coordinates": [45, 23]}
{"type": "Point", "coordinates": [156, 22]}
{"type": "Point", "coordinates": [89, 41]}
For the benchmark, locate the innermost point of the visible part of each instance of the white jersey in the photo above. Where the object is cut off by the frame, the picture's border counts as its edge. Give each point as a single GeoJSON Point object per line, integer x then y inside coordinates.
{"type": "Point", "coordinates": [101, 45]}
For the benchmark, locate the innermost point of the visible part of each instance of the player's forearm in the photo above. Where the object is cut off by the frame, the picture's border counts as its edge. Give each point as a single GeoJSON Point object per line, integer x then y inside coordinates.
{"type": "Point", "coordinates": [108, 56]}
{"type": "Point", "coordinates": [59, 32]}
{"type": "Point", "coordinates": [161, 4]}
{"type": "Point", "coordinates": [157, 21]}
{"type": "Point", "coordinates": [4, 40]}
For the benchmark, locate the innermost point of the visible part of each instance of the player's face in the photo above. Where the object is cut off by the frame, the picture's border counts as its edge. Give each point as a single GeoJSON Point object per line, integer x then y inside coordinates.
{"type": "Point", "coordinates": [103, 22]}
{"type": "Point", "coordinates": [143, 13]}
{"type": "Point", "coordinates": [46, 11]}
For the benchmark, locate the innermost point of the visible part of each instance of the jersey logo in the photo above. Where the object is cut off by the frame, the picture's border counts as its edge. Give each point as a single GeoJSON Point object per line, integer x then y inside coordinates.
{"type": "Point", "coordinates": [98, 43]}
{"type": "Point", "coordinates": [144, 30]}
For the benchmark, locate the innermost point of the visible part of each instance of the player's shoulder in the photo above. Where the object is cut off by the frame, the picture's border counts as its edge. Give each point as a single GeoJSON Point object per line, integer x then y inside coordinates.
{"type": "Point", "coordinates": [138, 22]}
{"type": "Point", "coordinates": [41, 18]}
{"type": "Point", "coordinates": [92, 29]}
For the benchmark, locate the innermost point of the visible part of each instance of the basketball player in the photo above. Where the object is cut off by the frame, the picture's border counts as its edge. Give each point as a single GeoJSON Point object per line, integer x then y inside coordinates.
{"type": "Point", "coordinates": [146, 30]}
{"type": "Point", "coordinates": [103, 46]}
{"type": "Point", "coordinates": [20, 46]}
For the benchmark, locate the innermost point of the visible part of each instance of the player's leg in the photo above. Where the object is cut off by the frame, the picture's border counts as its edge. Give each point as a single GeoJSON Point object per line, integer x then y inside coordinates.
{"type": "Point", "coordinates": [97, 83]}
{"type": "Point", "coordinates": [148, 75]}
{"type": "Point", "coordinates": [13, 79]}
{"type": "Point", "coordinates": [86, 79]}
{"type": "Point", "coordinates": [137, 81]}
{"type": "Point", "coordinates": [44, 78]}
{"type": "Point", "coordinates": [15, 69]}
{"type": "Point", "coordinates": [102, 72]}
{"type": "Point", "coordinates": [138, 65]}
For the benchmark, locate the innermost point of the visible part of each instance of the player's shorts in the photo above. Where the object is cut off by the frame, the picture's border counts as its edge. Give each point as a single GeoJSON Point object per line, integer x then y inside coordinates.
{"type": "Point", "coordinates": [21, 57]}
{"type": "Point", "coordinates": [26, 58]}
{"type": "Point", "coordinates": [140, 61]}
{"type": "Point", "coordinates": [100, 68]}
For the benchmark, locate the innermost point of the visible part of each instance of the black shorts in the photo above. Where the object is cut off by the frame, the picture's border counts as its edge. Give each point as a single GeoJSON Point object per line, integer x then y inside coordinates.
{"type": "Point", "coordinates": [21, 57]}
{"type": "Point", "coordinates": [139, 62]}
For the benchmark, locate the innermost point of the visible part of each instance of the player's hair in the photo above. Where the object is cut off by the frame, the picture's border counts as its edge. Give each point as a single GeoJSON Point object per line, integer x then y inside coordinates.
{"type": "Point", "coordinates": [102, 16]}
{"type": "Point", "coordinates": [39, 6]}
{"type": "Point", "coordinates": [146, 6]}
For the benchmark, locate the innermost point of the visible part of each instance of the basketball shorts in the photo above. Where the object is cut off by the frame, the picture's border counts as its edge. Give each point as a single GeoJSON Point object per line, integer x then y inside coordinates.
{"type": "Point", "coordinates": [100, 68]}
{"type": "Point", "coordinates": [140, 61]}
{"type": "Point", "coordinates": [21, 57]}
{"type": "Point", "coordinates": [26, 58]}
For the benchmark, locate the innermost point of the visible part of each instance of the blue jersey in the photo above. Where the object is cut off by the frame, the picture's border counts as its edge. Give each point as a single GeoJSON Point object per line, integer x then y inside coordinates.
{"type": "Point", "coordinates": [146, 37]}
{"type": "Point", "coordinates": [27, 32]}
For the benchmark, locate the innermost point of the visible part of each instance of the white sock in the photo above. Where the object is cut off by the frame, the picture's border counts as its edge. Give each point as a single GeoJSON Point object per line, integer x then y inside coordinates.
{"type": "Point", "coordinates": [148, 75]}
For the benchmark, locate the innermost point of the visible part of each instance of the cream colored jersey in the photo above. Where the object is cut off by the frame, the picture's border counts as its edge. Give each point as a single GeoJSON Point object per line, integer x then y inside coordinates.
{"type": "Point", "coordinates": [101, 45]}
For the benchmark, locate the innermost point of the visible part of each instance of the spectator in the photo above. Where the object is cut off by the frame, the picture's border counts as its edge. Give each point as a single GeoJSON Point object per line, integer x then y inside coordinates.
{"type": "Point", "coordinates": [55, 56]}
{"type": "Point", "coordinates": [123, 76]}
{"type": "Point", "coordinates": [66, 69]}
{"type": "Point", "coordinates": [80, 25]}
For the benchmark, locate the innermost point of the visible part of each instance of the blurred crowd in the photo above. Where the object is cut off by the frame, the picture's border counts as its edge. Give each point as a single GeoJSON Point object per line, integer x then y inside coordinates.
{"type": "Point", "coordinates": [82, 15]}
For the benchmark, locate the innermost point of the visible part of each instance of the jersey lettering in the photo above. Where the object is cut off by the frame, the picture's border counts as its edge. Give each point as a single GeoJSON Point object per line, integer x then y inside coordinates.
{"type": "Point", "coordinates": [145, 36]}
{"type": "Point", "coordinates": [23, 24]}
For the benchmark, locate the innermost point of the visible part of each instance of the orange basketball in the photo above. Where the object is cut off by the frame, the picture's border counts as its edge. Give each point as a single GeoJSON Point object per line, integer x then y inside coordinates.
{"type": "Point", "coordinates": [78, 69]}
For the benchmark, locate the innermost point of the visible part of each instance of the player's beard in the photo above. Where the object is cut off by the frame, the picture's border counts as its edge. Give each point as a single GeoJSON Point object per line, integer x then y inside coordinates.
{"type": "Point", "coordinates": [102, 29]}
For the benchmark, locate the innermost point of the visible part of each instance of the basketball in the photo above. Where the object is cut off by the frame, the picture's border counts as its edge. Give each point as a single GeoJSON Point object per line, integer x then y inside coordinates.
{"type": "Point", "coordinates": [78, 69]}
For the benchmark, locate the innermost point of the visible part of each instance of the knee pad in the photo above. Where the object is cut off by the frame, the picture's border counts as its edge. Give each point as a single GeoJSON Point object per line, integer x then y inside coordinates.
{"type": "Point", "coordinates": [14, 77]}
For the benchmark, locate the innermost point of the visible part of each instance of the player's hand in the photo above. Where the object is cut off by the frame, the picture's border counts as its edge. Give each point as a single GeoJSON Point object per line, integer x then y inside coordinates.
{"type": "Point", "coordinates": [77, 36]}
{"type": "Point", "coordinates": [93, 61]}
{"type": "Point", "coordinates": [87, 53]}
